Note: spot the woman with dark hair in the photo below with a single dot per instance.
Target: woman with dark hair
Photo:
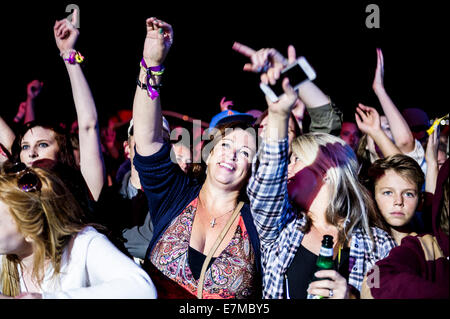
(204, 239)
(44, 140)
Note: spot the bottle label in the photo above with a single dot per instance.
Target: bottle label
(314, 297)
(326, 252)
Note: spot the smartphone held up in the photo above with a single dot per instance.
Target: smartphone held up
(297, 73)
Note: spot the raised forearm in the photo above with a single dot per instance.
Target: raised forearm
(82, 96)
(384, 143)
(431, 177)
(277, 127)
(29, 112)
(312, 95)
(399, 127)
(91, 158)
(7, 135)
(147, 119)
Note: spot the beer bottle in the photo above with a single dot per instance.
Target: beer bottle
(324, 261)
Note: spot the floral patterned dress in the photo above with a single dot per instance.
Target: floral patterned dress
(231, 275)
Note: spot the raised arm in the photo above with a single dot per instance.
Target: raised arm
(147, 116)
(399, 127)
(33, 90)
(368, 121)
(267, 189)
(431, 157)
(6, 135)
(91, 159)
(324, 116)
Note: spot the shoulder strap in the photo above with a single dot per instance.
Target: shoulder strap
(216, 245)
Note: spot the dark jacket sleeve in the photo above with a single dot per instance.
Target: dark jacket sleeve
(161, 179)
(326, 119)
(403, 274)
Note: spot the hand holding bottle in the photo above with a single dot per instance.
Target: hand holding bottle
(333, 286)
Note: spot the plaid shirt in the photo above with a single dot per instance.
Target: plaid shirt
(278, 224)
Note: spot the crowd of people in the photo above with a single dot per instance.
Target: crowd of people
(142, 208)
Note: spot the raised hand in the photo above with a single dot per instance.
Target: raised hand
(158, 41)
(431, 153)
(378, 81)
(269, 62)
(367, 119)
(431, 157)
(34, 88)
(65, 33)
(225, 105)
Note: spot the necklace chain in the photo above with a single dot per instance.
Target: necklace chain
(213, 219)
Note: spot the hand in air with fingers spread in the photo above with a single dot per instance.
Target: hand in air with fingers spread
(367, 119)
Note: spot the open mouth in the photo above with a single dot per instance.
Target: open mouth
(227, 166)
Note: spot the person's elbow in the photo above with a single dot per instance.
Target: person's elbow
(88, 125)
(406, 143)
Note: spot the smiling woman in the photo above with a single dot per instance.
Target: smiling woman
(204, 240)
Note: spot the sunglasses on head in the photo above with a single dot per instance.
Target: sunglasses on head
(27, 180)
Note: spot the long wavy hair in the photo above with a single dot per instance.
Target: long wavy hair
(351, 205)
(49, 217)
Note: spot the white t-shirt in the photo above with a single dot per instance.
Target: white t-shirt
(418, 154)
(96, 269)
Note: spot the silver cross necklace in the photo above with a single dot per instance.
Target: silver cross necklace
(212, 223)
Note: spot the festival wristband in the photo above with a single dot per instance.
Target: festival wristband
(151, 71)
(74, 57)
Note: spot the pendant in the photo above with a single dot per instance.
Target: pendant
(213, 222)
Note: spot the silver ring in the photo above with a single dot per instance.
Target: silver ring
(331, 293)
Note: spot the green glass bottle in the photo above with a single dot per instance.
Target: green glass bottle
(324, 261)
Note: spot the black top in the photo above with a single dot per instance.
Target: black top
(196, 260)
(301, 271)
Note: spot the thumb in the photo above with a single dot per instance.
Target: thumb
(74, 17)
(287, 88)
(292, 55)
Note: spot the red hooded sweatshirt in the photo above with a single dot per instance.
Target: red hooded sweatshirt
(419, 267)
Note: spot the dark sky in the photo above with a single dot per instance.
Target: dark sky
(201, 67)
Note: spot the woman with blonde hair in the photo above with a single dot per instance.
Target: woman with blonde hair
(48, 251)
(295, 205)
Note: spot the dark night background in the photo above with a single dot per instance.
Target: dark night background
(201, 68)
